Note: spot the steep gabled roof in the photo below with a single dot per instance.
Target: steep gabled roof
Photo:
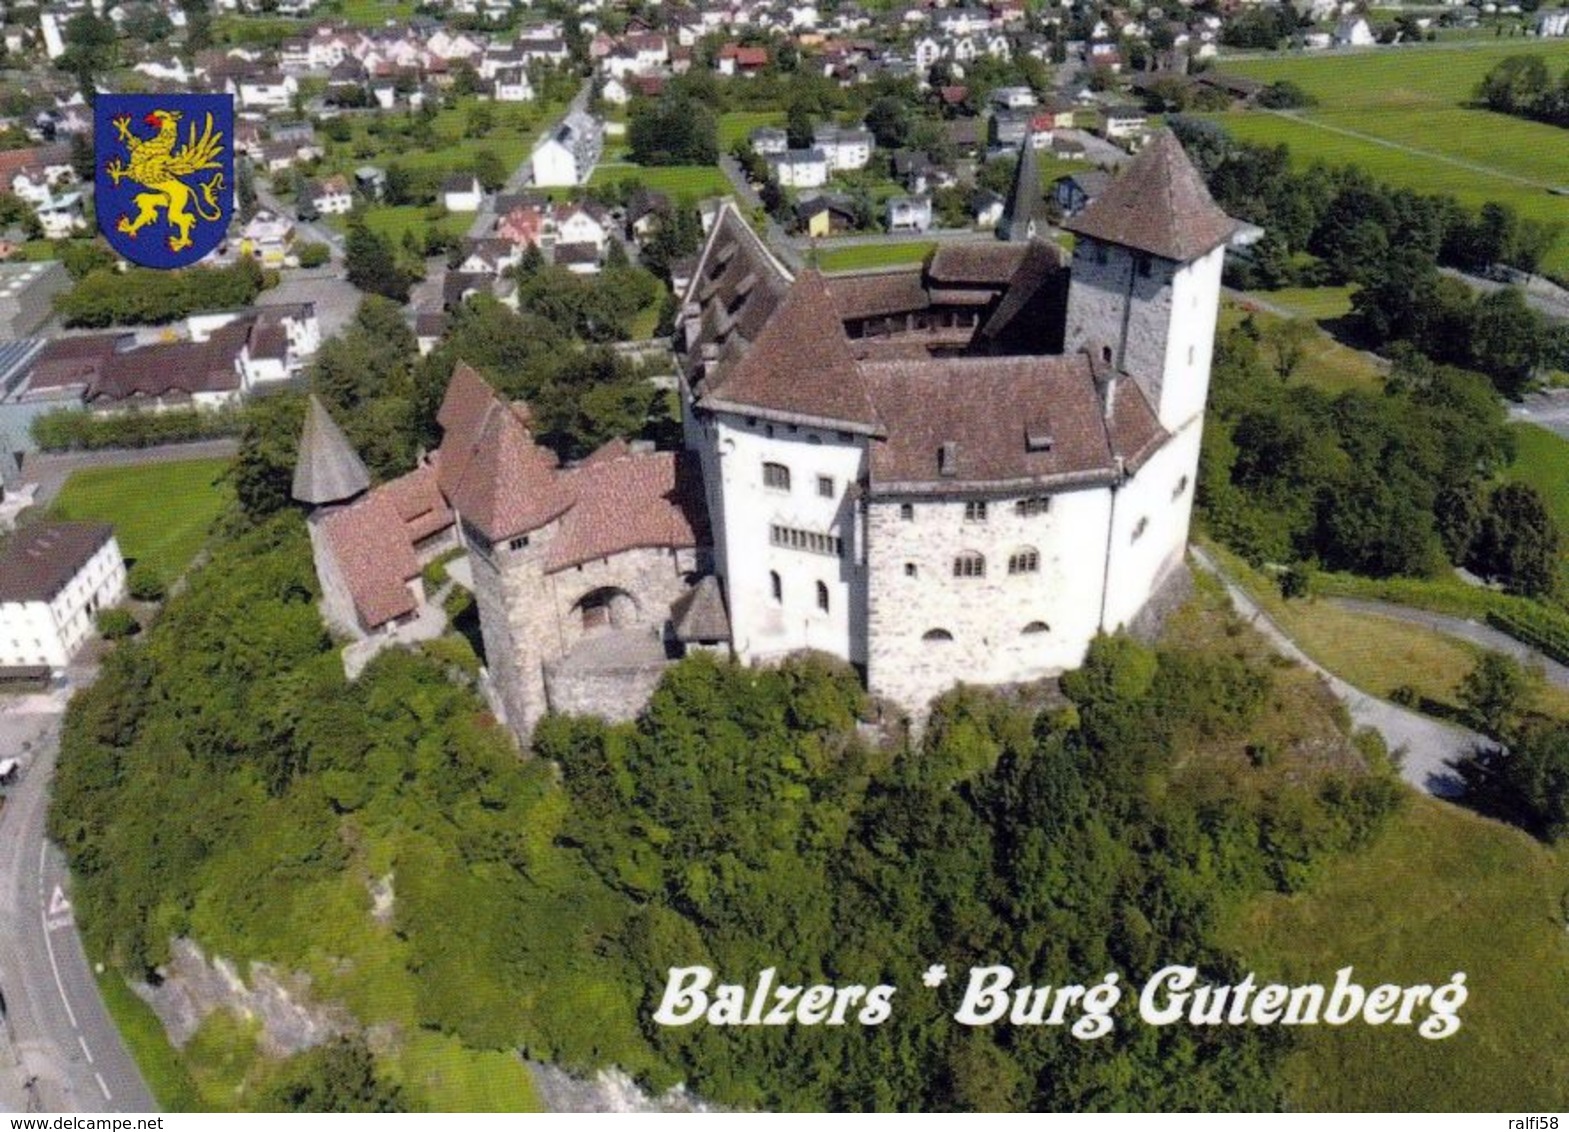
(508, 485)
(328, 469)
(801, 364)
(1159, 205)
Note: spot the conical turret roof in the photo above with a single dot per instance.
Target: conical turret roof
(328, 469)
(1023, 198)
(1159, 204)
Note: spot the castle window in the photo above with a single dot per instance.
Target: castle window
(776, 476)
(907, 512)
(822, 597)
(825, 486)
(1190, 355)
(1139, 528)
(969, 566)
(793, 538)
(934, 636)
(776, 586)
(909, 570)
(1182, 485)
(975, 511)
(1146, 266)
(1034, 505)
(1035, 627)
(518, 543)
(813, 438)
(1027, 561)
(1105, 354)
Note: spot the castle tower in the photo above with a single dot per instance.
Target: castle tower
(1145, 290)
(328, 475)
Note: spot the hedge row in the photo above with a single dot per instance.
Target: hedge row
(1542, 629)
(73, 430)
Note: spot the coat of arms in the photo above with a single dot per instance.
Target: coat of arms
(165, 183)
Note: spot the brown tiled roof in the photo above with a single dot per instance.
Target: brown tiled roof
(417, 499)
(887, 292)
(800, 364)
(509, 484)
(41, 559)
(992, 264)
(1159, 204)
(1043, 266)
(985, 408)
(368, 541)
(735, 289)
(1136, 433)
(627, 501)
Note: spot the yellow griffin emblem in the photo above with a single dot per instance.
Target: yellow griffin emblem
(155, 164)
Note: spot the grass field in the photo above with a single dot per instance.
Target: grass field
(161, 512)
(1326, 363)
(861, 256)
(1441, 891)
(1317, 303)
(1542, 460)
(392, 221)
(375, 13)
(676, 181)
(737, 124)
(1417, 99)
(1376, 654)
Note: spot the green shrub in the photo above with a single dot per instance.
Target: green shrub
(117, 624)
(73, 430)
(145, 583)
(313, 254)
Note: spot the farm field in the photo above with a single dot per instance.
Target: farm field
(161, 512)
(1417, 100)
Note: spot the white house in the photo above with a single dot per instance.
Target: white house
(909, 214)
(54, 578)
(800, 168)
(512, 85)
(844, 149)
(333, 197)
(1353, 31)
(570, 153)
(461, 192)
(582, 224)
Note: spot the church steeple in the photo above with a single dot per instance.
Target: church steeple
(328, 469)
(1018, 216)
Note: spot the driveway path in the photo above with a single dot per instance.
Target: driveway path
(1428, 745)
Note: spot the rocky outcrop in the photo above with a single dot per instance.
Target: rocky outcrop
(609, 1090)
(190, 987)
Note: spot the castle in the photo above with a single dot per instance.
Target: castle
(961, 471)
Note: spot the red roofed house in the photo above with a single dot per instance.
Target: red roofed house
(735, 59)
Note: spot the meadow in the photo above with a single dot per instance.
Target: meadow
(1406, 117)
(675, 181)
(161, 512)
(864, 256)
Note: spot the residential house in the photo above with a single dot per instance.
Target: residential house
(800, 168)
(54, 580)
(766, 140)
(1073, 192)
(267, 238)
(909, 214)
(331, 197)
(844, 149)
(461, 192)
(734, 59)
(570, 153)
(1353, 31)
(1124, 122)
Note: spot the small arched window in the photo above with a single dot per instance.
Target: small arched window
(969, 565)
(1024, 561)
(822, 597)
(776, 476)
(1035, 627)
(776, 585)
(934, 636)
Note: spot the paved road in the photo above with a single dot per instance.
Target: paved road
(68, 1056)
(310, 230)
(1428, 745)
(1550, 409)
(50, 470)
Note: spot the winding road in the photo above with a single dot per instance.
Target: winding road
(59, 1049)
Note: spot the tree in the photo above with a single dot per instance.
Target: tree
(90, 51)
(1519, 543)
(799, 125)
(1287, 342)
(372, 265)
(339, 1076)
(889, 121)
(1508, 340)
(263, 469)
(490, 169)
(1495, 693)
(673, 131)
(1527, 783)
